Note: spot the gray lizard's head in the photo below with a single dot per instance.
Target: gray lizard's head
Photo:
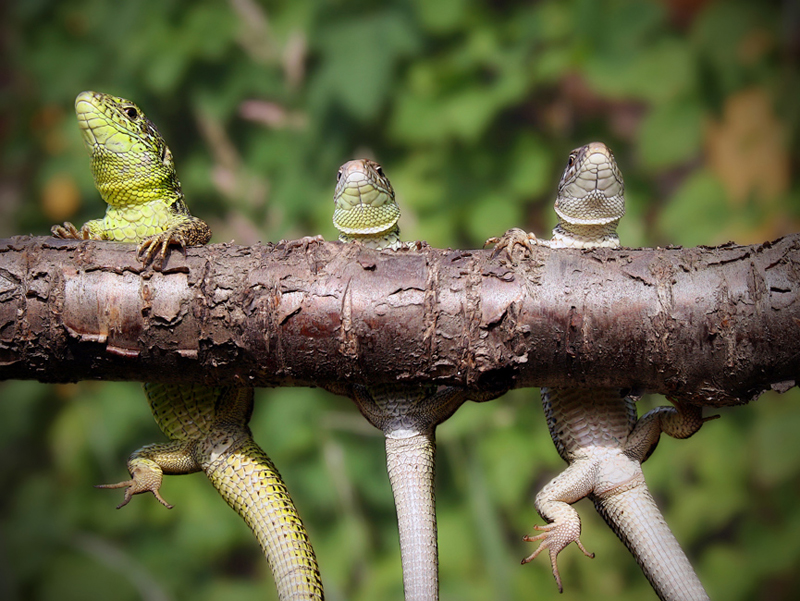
(591, 190)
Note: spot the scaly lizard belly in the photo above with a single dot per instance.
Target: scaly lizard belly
(134, 223)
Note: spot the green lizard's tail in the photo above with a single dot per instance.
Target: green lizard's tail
(250, 483)
(214, 421)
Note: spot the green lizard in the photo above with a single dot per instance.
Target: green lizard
(366, 212)
(597, 431)
(135, 174)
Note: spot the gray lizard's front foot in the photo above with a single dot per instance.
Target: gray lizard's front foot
(513, 240)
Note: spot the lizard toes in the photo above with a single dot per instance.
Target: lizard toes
(507, 243)
(555, 537)
(143, 480)
(155, 248)
(147, 249)
(67, 232)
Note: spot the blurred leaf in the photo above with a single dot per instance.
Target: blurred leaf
(492, 215)
(531, 167)
(659, 71)
(747, 148)
(670, 134)
(360, 60)
(777, 449)
(697, 212)
(70, 578)
(443, 16)
(241, 590)
(717, 35)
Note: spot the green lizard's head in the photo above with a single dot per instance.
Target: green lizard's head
(364, 200)
(131, 164)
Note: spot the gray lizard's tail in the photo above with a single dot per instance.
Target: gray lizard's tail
(637, 521)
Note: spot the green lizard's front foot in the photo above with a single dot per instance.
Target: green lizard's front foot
(509, 241)
(155, 248)
(145, 477)
(69, 232)
(555, 537)
(190, 232)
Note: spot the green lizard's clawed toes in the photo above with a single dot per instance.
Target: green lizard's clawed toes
(146, 476)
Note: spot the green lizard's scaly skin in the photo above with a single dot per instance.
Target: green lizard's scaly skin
(366, 213)
(209, 432)
(596, 431)
(134, 172)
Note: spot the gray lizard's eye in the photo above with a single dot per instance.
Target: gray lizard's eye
(339, 175)
(571, 160)
(379, 170)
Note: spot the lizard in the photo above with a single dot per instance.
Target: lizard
(366, 212)
(134, 172)
(596, 431)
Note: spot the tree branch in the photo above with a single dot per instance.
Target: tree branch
(715, 326)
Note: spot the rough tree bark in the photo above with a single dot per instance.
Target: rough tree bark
(715, 326)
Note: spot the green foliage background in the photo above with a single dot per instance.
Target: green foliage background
(471, 107)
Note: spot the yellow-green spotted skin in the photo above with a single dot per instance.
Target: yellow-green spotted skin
(207, 426)
(134, 172)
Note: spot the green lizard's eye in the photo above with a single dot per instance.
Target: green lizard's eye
(131, 112)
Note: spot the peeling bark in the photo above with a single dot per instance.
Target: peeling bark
(715, 326)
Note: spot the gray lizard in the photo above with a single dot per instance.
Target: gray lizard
(596, 431)
(366, 213)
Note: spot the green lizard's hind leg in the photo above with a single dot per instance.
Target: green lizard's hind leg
(148, 465)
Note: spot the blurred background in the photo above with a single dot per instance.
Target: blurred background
(472, 108)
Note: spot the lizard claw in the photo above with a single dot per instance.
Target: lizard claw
(555, 537)
(509, 241)
(69, 232)
(414, 245)
(155, 248)
(144, 479)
